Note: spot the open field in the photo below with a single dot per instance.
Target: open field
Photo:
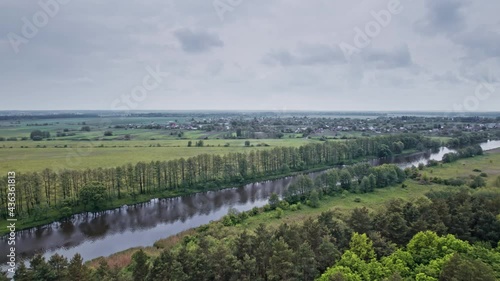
(488, 163)
(58, 155)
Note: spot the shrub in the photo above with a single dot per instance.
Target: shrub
(243, 216)
(477, 182)
(279, 213)
(267, 208)
(284, 205)
(484, 175)
(432, 163)
(357, 200)
(254, 211)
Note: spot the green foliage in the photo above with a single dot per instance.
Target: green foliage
(362, 246)
(477, 182)
(274, 200)
(345, 179)
(93, 195)
(461, 267)
(38, 135)
(279, 213)
(314, 199)
(140, 267)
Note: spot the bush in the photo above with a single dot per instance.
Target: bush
(65, 212)
(279, 213)
(267, 208)
(254, 211)
(108, 133)
(243, 216)
(293, 208)
(477, 182)
(432, 163)
(274, 200)
(484, 175)
(357, 200)
(284, 205)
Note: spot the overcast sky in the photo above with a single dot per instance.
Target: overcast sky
(250, 54)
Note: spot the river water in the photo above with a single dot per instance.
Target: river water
(105, 233)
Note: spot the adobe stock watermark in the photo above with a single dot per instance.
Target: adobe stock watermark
(125, 102)
(221, 7)
(139, 93)
(30, 28)
(363, 37)
(482, 92)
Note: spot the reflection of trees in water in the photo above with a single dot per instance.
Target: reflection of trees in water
(143, 216)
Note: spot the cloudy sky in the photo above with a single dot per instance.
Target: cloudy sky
(250, 54)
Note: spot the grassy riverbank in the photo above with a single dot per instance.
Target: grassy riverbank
(339, 204)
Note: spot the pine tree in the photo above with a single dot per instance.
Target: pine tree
(141, 267)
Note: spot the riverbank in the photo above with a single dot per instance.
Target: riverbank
(54, 215)
(341, 205)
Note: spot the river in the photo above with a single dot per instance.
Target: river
(105, 233)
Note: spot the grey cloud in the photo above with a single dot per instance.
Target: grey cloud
(322, 54)
(483, 42)
(443, 16)
(306, 54)
(197, 41)
(395, 58)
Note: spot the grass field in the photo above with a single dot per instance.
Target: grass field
(372, 201)
(22, 156)
(488, 163)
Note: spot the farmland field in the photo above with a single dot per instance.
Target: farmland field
(87, 154)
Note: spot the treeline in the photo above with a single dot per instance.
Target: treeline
(448, 235)
(358, 179)
(466, 152)
(467, 139)
(37, 192)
